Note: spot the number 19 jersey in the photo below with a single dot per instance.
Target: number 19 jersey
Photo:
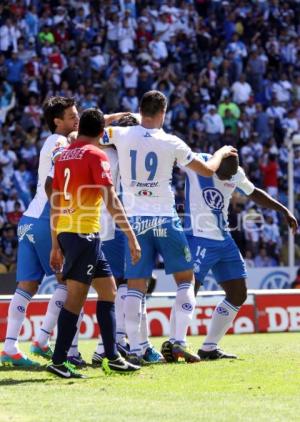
(146, 161)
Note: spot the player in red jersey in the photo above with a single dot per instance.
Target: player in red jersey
(81, 181)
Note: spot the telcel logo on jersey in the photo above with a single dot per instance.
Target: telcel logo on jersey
(213, 198)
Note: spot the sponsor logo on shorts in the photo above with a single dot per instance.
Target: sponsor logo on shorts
(59, 304)
(187, 254)
(187, 307)
(21, 309)
(160, 232)
(213, 198)
(22, 230)
(143, 226)
(222, 311)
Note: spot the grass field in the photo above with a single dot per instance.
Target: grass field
(263, 385)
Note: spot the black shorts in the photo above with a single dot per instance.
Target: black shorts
(84, 259)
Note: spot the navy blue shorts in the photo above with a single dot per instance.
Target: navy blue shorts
(84, 259)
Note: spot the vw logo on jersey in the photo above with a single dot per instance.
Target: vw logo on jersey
(213, 198)
(276, 280)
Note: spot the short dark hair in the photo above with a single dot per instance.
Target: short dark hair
(152, 103)
(128, 120)
(228, 167)
(91, 123)
(54, 108)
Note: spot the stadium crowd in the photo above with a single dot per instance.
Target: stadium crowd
(230, 69)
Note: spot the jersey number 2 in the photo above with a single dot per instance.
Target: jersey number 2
(67, 174)
(150, 164)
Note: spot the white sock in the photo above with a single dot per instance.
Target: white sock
(133, 313)
(100, 347)
(16, 315)
(173, 323)
(73, 351)
(120, 314)
(221, 321)
(54, 307)
(144, 337)
(184, 309)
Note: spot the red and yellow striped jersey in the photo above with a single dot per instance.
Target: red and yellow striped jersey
(79, 172)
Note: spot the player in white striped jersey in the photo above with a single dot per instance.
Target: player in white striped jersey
(212, 247)
(146, 158)
(35, 242)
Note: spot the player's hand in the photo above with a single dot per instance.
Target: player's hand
(292, 222)
(135, 250)
(56, 260)
(227, 150)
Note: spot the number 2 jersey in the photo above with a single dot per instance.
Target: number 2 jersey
(146, 161)
(207, 201)
(79, 172)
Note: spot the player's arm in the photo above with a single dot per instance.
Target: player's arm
(56, 256)
(264, 200)
(116, 210)
(208, 168)
(48, 186)
(110, 118)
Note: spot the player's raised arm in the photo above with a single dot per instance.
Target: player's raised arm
(116, 210)
(208, 168)
(111, 118)
(263, 199)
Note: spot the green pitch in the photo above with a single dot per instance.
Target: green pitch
(263, 385)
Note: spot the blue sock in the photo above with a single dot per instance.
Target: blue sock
(66, 330)
(107, 322)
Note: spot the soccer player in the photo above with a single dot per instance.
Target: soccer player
(206, 224)
(82, 179)
(113, 247)
(146, 158)
(35, 243)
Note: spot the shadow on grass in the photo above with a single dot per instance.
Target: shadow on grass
(41, 368)
(10, 381)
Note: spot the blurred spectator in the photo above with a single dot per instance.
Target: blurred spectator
(263, 260)
(213, 126)
(270, 175)
(296, 283)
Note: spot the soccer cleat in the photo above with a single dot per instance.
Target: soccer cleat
(215, 354)
(118, 365)
(123, 350)
(64, 370)
(18, 360)
(77, 361)
(166, 351)
(136, 360)
(37, 350)
(182, 351)
(152, 356)
(97, 358)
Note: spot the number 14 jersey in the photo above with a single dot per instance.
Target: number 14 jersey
(146, 160)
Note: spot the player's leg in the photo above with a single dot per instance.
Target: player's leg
(105, 286)
(29, 275)
(172, 244)
(43, 243)
(80, 259)
(114, 251)
(230, 273)
(74, 356)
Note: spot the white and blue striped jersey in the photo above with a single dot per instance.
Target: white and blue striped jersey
(146, 161)
(39, 207)
(207, 201)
